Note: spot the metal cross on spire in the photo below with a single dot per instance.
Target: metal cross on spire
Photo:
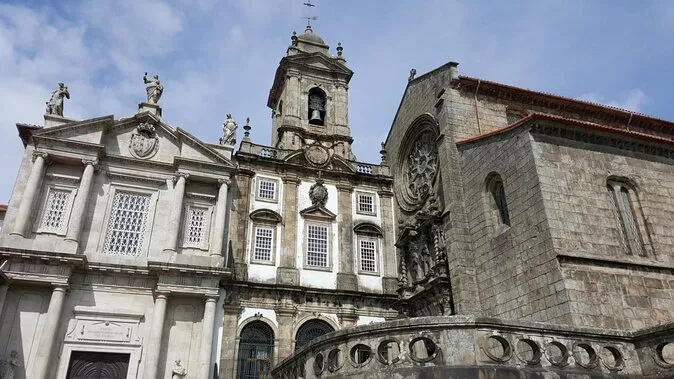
(309, 5)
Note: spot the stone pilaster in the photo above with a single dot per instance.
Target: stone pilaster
(80, 204)
(346, 277)
(285, 317)
(156, 331)
(239, 224)
(228, 348)
(287, 272)
(347, 316)
(43, 359)
(207, 339)
(173, 227)
(29, 193)
(3, 296)
(219, 232)
(388, 251)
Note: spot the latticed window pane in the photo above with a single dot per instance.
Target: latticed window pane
(317, 246)
(368, 256)
(196, 225)
(366, 203)
(616, 214)
(263, 243)
(127, 224)
(630, 222)
(267, 189)
(54, 216)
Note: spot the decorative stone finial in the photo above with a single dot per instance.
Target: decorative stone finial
(382, 152)
(55, 103)
(413, 73)
(228, 131)
(246, 130)
(339, 49)
(294, 38)
(153, 88)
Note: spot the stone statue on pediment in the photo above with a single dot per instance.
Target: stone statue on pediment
(228, 131)
(8, 367)
(55, 103)
(154, 88)
(179, 372)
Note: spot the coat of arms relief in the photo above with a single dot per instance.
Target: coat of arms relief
(144, 142)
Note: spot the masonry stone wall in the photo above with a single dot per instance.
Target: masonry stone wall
(517, 273)
(607, 286)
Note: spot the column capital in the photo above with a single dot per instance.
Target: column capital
(90, 161)
(179, 175)
(345, 187)
(285, 311)
(40, 154)
(210, 298)
(290, 179)
(225, 181)
(385, 193)
(59, 287)
(161, 294)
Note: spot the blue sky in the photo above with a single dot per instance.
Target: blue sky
(219, 57)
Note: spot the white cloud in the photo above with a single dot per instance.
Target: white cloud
(631, 100)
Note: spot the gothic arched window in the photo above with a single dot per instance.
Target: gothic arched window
(497, 200)
(310, 330)
(317, 106)
(623, 198)
(256, 349)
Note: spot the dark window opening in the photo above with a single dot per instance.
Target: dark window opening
(317, 107)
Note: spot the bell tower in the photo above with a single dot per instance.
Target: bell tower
(309, 97)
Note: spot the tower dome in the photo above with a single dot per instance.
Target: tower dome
(309, 36)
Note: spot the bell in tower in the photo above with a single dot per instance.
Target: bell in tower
(316, 106)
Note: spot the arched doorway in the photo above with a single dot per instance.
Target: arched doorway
(256, 349)
(310, 330)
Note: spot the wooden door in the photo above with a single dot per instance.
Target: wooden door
(97, 365)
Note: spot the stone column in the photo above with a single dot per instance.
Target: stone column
(156, 331)
(80, 204)
(287, 271)
(388, 251)
(219, 235)
(285, 317)
(207, 325)
(346, 277)
(42, 367)
(3, 295)
(28, 197)
(176, 212)
(228, 349)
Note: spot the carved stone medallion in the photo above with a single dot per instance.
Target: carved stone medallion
(144, 142)
(318, 194)
(317, 155)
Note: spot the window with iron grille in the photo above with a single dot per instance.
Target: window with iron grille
(263, 244)
(127, 224)
(365, 203)
(197, 222)
(56, 210)
(626, 218)
(368, 255)
(317, 246)
(266, 189)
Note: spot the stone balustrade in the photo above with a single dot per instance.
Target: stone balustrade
(470, 347)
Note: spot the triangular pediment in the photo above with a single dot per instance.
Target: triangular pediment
(320, 61)
(318, 212)
(87, 131)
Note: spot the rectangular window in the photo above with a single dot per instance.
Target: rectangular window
(266, 189)
(197, 220)
(368, 255)
(365, 203)
(56, 210)
(127, 223)
(317, 246)
(264, 241)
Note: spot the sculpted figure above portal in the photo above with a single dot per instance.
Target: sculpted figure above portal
(9, 366)
(228, 131)
(154, 88)
(179, 372)
(55, 103)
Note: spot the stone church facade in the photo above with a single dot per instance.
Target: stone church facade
(504, 233)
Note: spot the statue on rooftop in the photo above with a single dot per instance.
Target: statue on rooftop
(154, 88)
(228, 131)
(55, 103)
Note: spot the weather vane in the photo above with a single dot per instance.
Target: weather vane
(309, 18)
